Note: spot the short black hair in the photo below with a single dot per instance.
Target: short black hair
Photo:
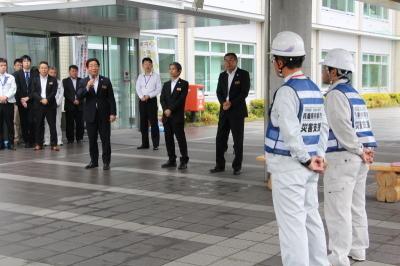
(43, 63)
(148, 59)
(17, 60)
(231, 55)
(291, 62)
(53, 68)
(177, 65)
(3, 60)
(92, 60)
(72, 67)
(26, 57)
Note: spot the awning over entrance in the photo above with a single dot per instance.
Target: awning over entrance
(122, 18)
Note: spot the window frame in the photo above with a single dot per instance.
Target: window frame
(384, 60)
(240, 56)
(346, 11)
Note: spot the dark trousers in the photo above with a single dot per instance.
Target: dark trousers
(49, 114)
(149, 113)
(7, 119)
(74, 125)
(170, 129)
(26, 116)
(103, 127)
(225, 125)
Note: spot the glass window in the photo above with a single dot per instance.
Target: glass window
(247, 49)
(375, 11)
(209, 63)
(164, 61)
(233, 48)
(248, 64)
(202, 46)
(202, 71)
(341, 5)
(166, 43)
(218, 47)
(375, 72)
(216, 67)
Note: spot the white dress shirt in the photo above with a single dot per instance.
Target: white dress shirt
(74, 83)
(96, 82)
(8, 87)
(43, 85)
(231, 76)
(60, 93)
(173, 84)
(284, 115)
(338, 111)
(148, 84)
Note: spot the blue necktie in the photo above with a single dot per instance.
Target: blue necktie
(27, 76)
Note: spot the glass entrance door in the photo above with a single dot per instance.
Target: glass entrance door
(20, 42)
(118, 59)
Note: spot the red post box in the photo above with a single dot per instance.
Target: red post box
(195, 98)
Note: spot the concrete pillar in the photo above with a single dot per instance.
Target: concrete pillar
(189, 53)
(182, 51)
(292, 15)
(395, 60)
(3, 38)
(64, 57)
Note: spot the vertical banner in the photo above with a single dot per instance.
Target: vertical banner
(81, 54)
(148, 48)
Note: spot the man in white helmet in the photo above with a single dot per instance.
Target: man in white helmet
(350, 150)
(295, 145)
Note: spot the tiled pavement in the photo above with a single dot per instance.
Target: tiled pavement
(54, 212)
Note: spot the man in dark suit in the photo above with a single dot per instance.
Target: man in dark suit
(232, 89)
(173, 98)
(99, 112)
(23, 79)
(73, 106)
(17, 123)
(44, 104)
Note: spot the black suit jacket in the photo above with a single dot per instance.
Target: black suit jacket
(70, 93)
(103, 100)
(23, 89)
(51, 91)
(238, 93)
(175, 101)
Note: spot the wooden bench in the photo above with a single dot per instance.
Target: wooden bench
(268, 180)
(388, 179)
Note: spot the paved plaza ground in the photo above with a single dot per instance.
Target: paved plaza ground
(54, 212)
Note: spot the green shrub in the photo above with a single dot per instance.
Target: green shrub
(208, 118)
(376, 100)
(256, 107)
(212, 108)
(395, 96)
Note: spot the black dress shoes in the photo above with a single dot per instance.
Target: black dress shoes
(155, 148)
(182, 166)
(91, 165)
(217, 169)
(237, 171)
(142, 147)
(106, 166)
(169, 164)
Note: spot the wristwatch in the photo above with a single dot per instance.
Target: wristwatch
(306, 163)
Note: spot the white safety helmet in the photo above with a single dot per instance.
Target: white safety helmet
(340, 59)
(288, 44)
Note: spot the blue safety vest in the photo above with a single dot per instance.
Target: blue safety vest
(310, 116)
(359, 120)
